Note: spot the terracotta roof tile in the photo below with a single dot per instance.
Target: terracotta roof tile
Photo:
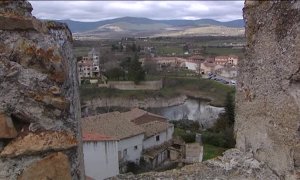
(96, 137)
(155, 127)
(111, 124)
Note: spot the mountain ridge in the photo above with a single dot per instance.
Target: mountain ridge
(79, 26)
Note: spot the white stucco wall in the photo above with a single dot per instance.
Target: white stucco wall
(129, 144)
(163, 137)
(101, 159)
(191, 66)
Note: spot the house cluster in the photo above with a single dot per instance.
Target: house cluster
(88, 66)
(112, 140)
(222, 65)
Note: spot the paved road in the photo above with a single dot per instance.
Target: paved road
(221, 78)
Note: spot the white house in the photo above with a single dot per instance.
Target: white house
(136, 131)
(130, 136)
(233, 60)
(88, 66)
(158, 134)
(192, 65)
(100, 156)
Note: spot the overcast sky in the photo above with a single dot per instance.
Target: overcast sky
(100, 10)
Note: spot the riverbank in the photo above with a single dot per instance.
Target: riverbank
(174, 89)
(153, 102)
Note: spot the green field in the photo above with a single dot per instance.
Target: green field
(211, 151)
(81, 51)
(169, 50)
(224, 51)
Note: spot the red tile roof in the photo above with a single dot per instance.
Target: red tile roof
(112, 124)
(88, 178)
(96, 137)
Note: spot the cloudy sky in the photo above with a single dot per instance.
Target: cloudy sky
(100, 10)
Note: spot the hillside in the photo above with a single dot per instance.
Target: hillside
(135, 26)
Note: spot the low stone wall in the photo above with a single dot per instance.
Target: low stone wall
(130, 103)
(130, 85)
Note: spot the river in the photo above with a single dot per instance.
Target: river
(192, 109)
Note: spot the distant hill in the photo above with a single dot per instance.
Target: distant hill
(77, 26)
(136, 26)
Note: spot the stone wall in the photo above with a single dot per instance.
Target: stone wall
(268, 92)
(39, 102)
(130, 85)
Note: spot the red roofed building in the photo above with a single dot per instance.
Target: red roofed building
(90, 137)
(221, 60)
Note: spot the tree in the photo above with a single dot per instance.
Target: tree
(229, 108)
(133, 47)
(136, 73)
(114, 47)
(139, 48)
(125, 63)
(115, 73)
(150, 66)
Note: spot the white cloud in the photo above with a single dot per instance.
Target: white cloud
(98, 10)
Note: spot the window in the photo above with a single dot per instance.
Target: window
(119, 155)
(135, 147)
(157, 138)
(124, 152)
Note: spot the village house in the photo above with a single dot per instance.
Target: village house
(221, 60)
(233, 60)
(130, 136)
(169, 61)
(209, 67)
(135, 131)
(196, 58)
(100, 151)
(227, 60)
(85, 68)
(191, 65)
(88, 66)
(158, 135)
(157, 129)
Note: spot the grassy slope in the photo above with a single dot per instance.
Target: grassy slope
(211, 151)
(224, 51)
(202, 88)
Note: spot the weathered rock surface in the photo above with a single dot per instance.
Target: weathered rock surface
(7, 128)
(34, 143)
(53, 166)
(38, 91)
(268, 91)
(234, 164)
(92, 105)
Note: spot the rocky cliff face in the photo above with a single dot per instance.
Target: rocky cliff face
(268, 94)
(39, 103)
